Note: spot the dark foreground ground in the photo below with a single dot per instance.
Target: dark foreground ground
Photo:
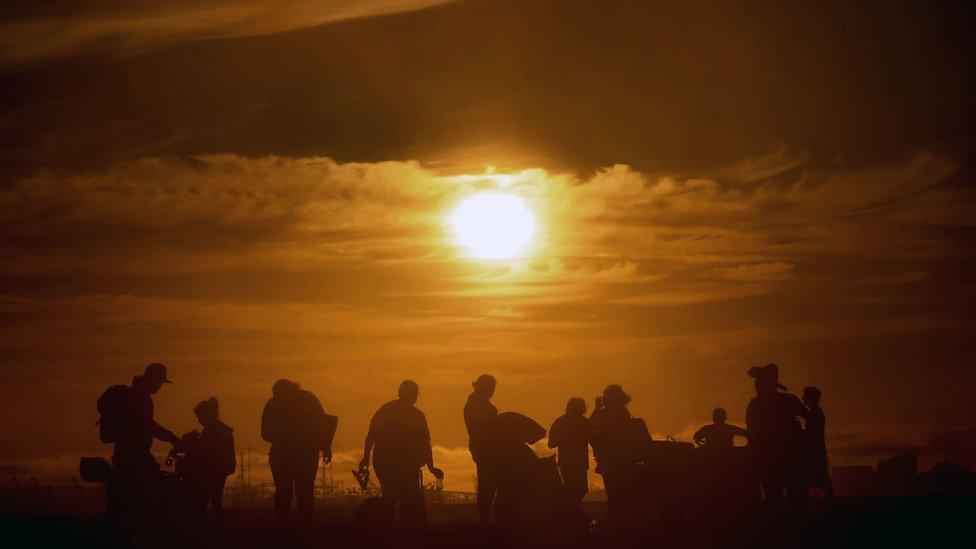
(920, 522)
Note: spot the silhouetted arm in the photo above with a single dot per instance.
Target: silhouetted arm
(428, 451)
(370, 441)
(802, 410)
(425, 434)
(553, 435)
(319, 413)
(738, 431)
(162, 433)
(699, 437)
(229, 453)
(751, 418)
(267, 431)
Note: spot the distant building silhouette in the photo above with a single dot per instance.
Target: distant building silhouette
(898, 474)
(856, 481)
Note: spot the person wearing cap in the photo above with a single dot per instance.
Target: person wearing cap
(134, 429)
(399, 443)
(134, 441)
(774, 434)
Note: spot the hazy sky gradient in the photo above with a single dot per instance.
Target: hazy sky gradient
(718, 186)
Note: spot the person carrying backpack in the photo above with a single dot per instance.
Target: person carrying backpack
(299, 431)
(127, 421)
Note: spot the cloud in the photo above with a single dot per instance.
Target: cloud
(758, 272)
(137, 27)
(620, 234)
(957, 444)
(239, 270)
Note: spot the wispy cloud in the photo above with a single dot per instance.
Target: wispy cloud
(81, 28)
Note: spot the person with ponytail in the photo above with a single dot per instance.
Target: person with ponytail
(217, 457)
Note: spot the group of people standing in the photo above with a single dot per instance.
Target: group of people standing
(788, 457)
(785, 449)
(137, 490)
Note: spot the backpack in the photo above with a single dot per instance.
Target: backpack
(111, 407)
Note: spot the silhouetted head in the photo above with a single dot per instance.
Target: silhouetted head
(409, 391)
(811, 396)
(614, 396)
(485, 385)
(767, 379)
(153, 377)
(283, 388)
(207, 412)
(718, 416)
(576, 407)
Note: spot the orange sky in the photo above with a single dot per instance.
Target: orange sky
(247, 196)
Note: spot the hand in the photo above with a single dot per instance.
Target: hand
(364, 463)
(327, 456)
(438, 474)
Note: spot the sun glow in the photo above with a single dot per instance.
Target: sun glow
(493, 225)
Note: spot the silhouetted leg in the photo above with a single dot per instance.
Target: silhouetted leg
(822, 479)
(217, 501)
(390, 491)
(795, 479)
(283, 473)
(412, 509)
(772, 485)
(306, 469)
(487, 489)
(137, 477)
(575, 486)
(828, 487)
(616, 490)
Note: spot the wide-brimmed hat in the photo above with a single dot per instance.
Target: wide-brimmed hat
(768, 373)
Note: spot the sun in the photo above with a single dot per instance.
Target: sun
(493, 225)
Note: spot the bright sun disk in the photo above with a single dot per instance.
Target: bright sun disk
(493, 225)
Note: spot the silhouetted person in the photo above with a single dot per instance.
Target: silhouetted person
(399, 442)
(570, 435)
(297, 428)
(614, 448)
(772, 422)
(719, 435)
(816, 465)
(127, 420)
(217, 456)
(479, 414)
